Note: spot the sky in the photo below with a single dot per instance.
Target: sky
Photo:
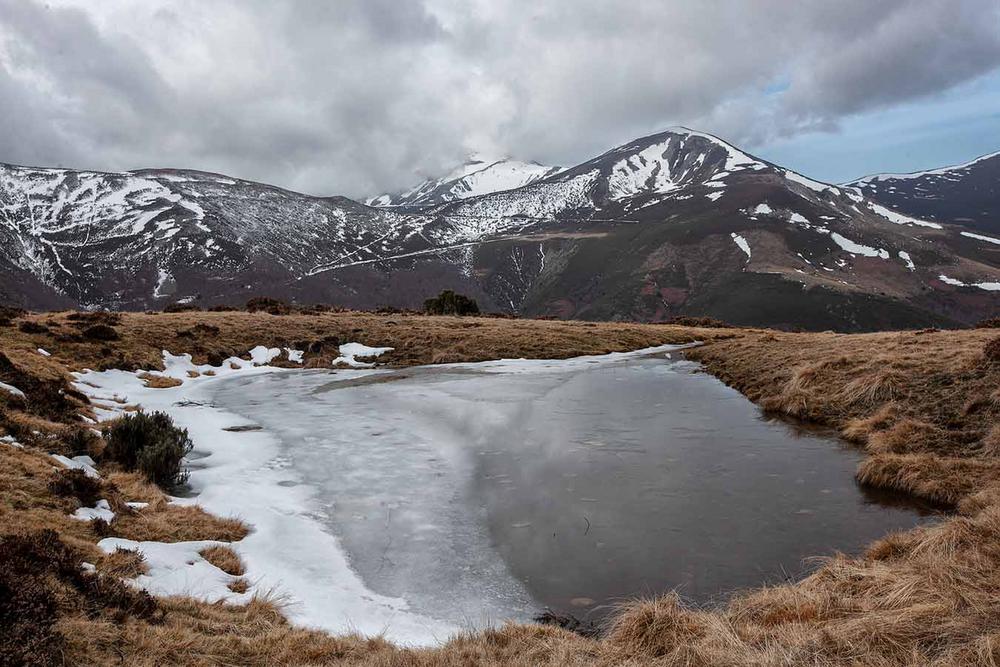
(359, 97)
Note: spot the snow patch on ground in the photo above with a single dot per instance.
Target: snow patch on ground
(178, 568)
(44, 353)
(349, 352)
(102, 510)
(742, 243)
(11, 389)
(762, 209)
(84, 463)
(714, 196)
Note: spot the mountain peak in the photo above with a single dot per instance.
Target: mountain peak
(479, 175)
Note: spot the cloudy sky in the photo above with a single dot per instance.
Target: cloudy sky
(362, 96)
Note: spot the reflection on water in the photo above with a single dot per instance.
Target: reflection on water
(482, 496)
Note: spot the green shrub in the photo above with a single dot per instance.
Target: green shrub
(450, 303)
(151, 444)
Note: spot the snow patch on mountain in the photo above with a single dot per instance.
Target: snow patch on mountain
(742, 243)
(857, 248)
(981, 237)
(474, 178)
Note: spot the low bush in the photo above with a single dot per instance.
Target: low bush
(180, 308)
(30, 327)
(102, 332)
(81, 441)
(151, 444)
(989, 323)
(74, 483)
(83, 319)
(451, 303)
(705, 322)
(268, 305)
(222, 308)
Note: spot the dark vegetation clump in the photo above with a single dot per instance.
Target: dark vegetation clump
(38, 571)
(74, 483)
(81, 441)
(199, 330)
(101, 332)
(222, 308)
(706, 322)
(451, 303)
(181, 308)
(10, 313)
(85, 319)
(30, 327)
(991, 351)
(989, 323)
(151, 444)
(268, 305)
(50, 398)
(568, 622)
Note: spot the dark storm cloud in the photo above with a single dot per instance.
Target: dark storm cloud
(357, 96)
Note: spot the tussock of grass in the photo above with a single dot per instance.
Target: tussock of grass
(123, 564)
(224, 558)
(160, 381)
(162, 522)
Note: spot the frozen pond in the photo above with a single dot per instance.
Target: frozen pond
(490, 491)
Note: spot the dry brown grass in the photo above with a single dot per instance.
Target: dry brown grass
(163, 522)
(223, 558)
(926, 406)
(123, 563)
(160, 381)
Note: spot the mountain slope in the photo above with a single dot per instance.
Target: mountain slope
(475, 177)
(677, 223)
(966, 194)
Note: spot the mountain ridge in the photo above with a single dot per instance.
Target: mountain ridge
(676, 223)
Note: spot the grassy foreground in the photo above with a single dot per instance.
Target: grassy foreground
(924, 405)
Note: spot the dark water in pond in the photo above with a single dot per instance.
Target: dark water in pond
(485, 493)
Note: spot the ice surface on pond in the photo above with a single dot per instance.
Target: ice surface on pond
(482, 492)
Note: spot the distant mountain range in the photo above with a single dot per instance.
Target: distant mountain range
(965, 194)
(677, 223)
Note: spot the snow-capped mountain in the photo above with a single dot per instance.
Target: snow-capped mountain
(965, 194)
(677, 223)
(478, 176)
